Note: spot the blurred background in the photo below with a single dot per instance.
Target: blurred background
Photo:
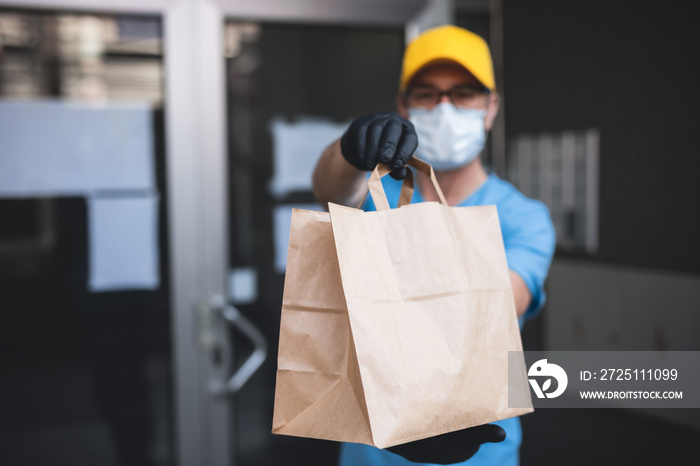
(150, 155)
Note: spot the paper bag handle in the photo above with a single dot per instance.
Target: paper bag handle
(377, 190)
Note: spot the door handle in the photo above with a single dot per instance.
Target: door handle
(233, 317)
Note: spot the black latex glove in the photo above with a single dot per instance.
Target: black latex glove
(453, 447)
(380, 138)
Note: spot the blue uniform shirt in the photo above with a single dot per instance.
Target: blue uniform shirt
(529, 239)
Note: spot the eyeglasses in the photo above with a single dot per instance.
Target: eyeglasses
(463, 96)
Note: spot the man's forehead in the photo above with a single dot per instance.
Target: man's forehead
(435, 73)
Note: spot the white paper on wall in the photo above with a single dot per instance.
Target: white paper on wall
(243, 285)
(56, 148)
(296, 149)
(123, 243)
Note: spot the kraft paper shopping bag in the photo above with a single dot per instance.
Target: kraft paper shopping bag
(396, 324)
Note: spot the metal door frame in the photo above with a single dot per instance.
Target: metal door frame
(195, 128)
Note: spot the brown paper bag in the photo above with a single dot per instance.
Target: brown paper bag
(396, 324)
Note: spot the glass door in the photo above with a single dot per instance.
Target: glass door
(291, 90)
(86, 336)
(113, 267)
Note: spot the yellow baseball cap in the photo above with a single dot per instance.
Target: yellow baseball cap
(449, 43)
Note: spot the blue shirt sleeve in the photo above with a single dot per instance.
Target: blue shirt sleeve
(529, 239)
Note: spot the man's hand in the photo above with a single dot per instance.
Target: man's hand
(453, 447)
(380, 138)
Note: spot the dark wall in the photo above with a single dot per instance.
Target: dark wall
(338, 71)
(632, 70)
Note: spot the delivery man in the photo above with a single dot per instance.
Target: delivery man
(446, 105)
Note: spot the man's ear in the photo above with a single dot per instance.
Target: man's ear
(491, 110)
(401, 108)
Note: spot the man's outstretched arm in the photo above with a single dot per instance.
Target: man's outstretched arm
(377, 138)
(335, 180)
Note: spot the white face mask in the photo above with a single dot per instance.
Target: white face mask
(448, 137)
